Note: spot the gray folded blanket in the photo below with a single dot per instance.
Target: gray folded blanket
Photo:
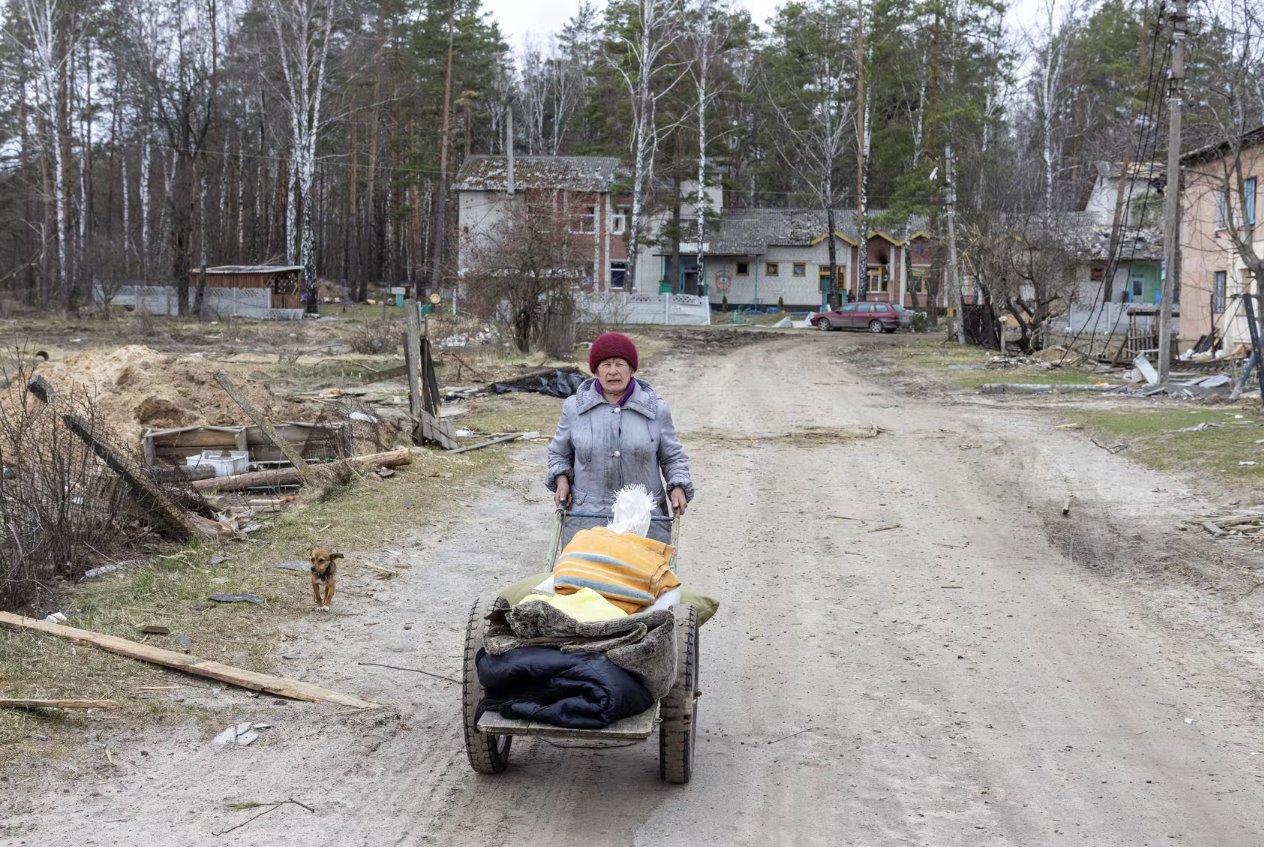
(643, 644)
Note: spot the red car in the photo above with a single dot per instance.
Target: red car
(875, 317)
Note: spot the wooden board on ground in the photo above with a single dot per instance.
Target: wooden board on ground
(636, 728)
(277, 685)
(290, 476)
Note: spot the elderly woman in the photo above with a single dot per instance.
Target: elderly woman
(616, 431)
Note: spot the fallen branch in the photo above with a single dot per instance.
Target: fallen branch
(18, 703)
(410, 670)
(291, 476)
(501, 440)
(272, 807)
(279, 686)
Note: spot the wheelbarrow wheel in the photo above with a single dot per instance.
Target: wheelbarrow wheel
(679, 709)
(487, 753)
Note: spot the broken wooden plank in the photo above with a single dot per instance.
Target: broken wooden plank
(21, 703)
(501, 440)
(290, 476)
(179, 523)
(255, 415)
(280, 686)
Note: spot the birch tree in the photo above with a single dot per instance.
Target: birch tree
(708, 40)
(302, 30)
(40, 32)
(641, 55)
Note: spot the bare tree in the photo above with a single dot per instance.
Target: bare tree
(642, 60)
(173, 54)
(528, 266)
(815, 118)
(42, 35)
(708, 39)
(302, 29)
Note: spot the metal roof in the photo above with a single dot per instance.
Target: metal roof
(569, 173)
(751, 232)
(252, 269)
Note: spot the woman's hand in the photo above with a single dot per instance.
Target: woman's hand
(562, 497)
(678, 500)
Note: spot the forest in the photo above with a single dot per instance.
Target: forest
(143, 139)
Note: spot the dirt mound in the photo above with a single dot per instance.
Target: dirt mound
(136, 388)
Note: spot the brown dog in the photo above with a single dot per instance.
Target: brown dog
(324, 573)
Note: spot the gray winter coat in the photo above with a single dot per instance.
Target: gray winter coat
(601, 448)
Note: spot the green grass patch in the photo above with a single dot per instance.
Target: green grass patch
(1152, 437)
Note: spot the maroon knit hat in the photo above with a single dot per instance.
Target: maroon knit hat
(611, 345)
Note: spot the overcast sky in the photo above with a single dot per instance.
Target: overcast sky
(520, 19)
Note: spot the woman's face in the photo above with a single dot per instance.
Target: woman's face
(613, 374)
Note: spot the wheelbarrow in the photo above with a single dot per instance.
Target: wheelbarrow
(488, 737)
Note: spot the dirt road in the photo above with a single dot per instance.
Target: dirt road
(915, 648)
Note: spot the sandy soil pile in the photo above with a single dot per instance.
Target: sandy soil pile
(136, 388)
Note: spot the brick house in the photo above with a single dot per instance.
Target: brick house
(1221, 189)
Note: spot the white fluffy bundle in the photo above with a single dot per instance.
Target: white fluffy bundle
(632, 508)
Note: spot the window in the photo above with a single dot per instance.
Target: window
(584, 222)
(619, 221)
(1218, 293)
(743, 268)
(878, 280)
(771, 268)
(618, 274)
(848, 308)
(1222, 209)
(800, 268)
(1248, 200)
(917, 281)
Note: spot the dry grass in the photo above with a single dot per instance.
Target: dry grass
(172, 589)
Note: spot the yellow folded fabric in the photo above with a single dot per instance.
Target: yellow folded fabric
(628, 570)
(585, 605)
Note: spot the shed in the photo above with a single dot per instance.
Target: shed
(283, 281)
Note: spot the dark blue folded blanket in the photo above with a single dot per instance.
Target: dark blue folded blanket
(574, 690)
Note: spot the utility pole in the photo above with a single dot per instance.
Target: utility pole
(1171, 197)
(950, 220)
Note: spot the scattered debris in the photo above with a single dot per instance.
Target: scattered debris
(291, 476)
(218, 560)
(252, 680)
(885, 528)
(54, 617)
(1142, 364)
(552, 381)
(1043, 388)
(240, 735)
(19, 703)
(185, 642)
(154, 629)
(1246, 523)
(295, 565)
(101, 571)
(1066, 506)
(363, 417)
(238, 598)
(1067, 427)
(1200, 427)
